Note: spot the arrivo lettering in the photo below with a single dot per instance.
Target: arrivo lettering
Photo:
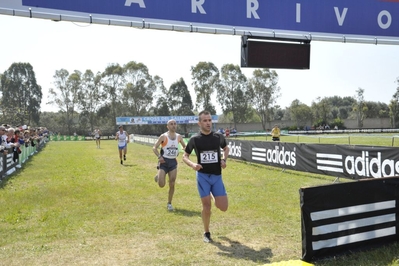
(384, 18)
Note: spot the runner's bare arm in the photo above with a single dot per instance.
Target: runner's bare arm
(183, 144)
(186, 160)
(156, 146)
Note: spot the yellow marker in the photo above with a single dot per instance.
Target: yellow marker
(290, 263)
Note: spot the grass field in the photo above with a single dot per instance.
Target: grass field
(73, 204)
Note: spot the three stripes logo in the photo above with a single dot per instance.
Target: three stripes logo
(329, 162)
(353, 224)
(259, 154)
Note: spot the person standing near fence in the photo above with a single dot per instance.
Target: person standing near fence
(3, 140)
(123, 138)
(209, 165)
(167, 162)
(275, 133)
(12, 142)
(227, 132)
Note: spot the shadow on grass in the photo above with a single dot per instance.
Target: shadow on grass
(187, 213)
(4, 181)
(128, 165)
(235, 249)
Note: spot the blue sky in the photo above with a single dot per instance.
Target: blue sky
(335, 68)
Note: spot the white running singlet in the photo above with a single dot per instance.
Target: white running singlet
(170, 147)
(122, 138)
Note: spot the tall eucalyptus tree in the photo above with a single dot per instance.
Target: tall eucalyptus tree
(65, 95)
(21, 95)
(205, 76)
(264, 91)
(139, 89)
(232, 93)
(113, 82)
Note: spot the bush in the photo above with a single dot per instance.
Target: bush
(339, 123)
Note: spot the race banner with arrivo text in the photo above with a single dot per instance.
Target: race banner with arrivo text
(354, 162)
(343, 17)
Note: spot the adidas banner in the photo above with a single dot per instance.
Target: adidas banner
(344, 217)
(354, 162)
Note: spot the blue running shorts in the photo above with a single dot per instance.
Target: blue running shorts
(207, 183)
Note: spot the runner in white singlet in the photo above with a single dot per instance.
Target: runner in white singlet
(167, 162)
(123, 139)
(97, 136)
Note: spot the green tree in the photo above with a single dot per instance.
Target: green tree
(393, 112)
(113, 82)
(345, 107)
(91, 97)
(75, 85)
(263, 92)
(139, 89)
(360, 107)
(53, 121)
(340, 107)
(104, 114)
(179, 99)
(376, 110)
(205, 76)
(232, 93)
(394, 106)
(66, 94)
(301, 113)
(277, 112)
(161, 106)
(21, 95)
(321, 111)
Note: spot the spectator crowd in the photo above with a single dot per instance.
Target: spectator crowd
(13, 137)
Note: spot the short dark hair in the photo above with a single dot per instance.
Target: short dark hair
(205, 112)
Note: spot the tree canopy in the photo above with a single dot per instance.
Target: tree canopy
(21, 95)
(86, 100)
